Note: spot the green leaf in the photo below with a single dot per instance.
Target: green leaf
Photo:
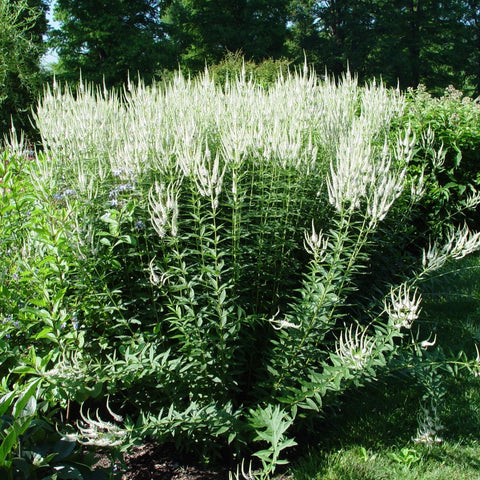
(30, 407)
(64, 448)
(68, 472)
(45, 333)
(309, 404)
(105, 241)
(14, 431)
(458, 156)
(6, 401)
(6, 446)
(94, 391)
(25, 397)
(263, 454)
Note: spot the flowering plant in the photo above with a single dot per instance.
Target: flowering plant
(207, 268)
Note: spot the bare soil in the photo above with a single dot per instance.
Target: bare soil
(152, 461)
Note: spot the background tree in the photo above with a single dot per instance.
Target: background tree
(204, 30)
(419, 41)
(333, 33)
(106, 40)
(404, 41)
(471, 42)
(22, 26)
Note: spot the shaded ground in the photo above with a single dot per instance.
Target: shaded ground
(162, 462)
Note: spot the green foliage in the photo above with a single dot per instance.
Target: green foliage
(270, 425)
(471, 17)
(196, 253)
(109, 42)
(22, 24)
(403, 42)
(332, 34)
(419, 42)
(30, 448)
(452, 461)
(371, 434)
(203, 32)
(39, 331)
(234, 65)
(447, 125)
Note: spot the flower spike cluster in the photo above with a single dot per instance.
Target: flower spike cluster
(404, 308)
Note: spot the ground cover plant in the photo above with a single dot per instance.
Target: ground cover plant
(213, 265)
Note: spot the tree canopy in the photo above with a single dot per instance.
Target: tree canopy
(405, 42)
(204, 30)
(22, 26)
(107, 40)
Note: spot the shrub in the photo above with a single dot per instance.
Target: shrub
(197, 253)
(233, 65)
(447, 155)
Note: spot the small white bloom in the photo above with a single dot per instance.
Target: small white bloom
(208, 176)
(99, 433)
(355, 347)
(432, 259)
(156, 277)
(67, 370)
(163, 203)
(427, 343)
(315, 243)
(282, 323)
(417, 188)
(429, 427)
(460, 242)
(477, 363)
(404, 309)
(473, 200)
(405, 145)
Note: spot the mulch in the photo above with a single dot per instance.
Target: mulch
(152, 461)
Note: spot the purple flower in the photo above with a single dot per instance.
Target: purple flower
(67, 192)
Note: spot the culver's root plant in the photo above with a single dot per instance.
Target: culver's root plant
(205, 251)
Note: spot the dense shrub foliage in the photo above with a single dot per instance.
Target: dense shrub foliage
(449, 126)
(194, 258)
(22, 25)
(233, 65)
